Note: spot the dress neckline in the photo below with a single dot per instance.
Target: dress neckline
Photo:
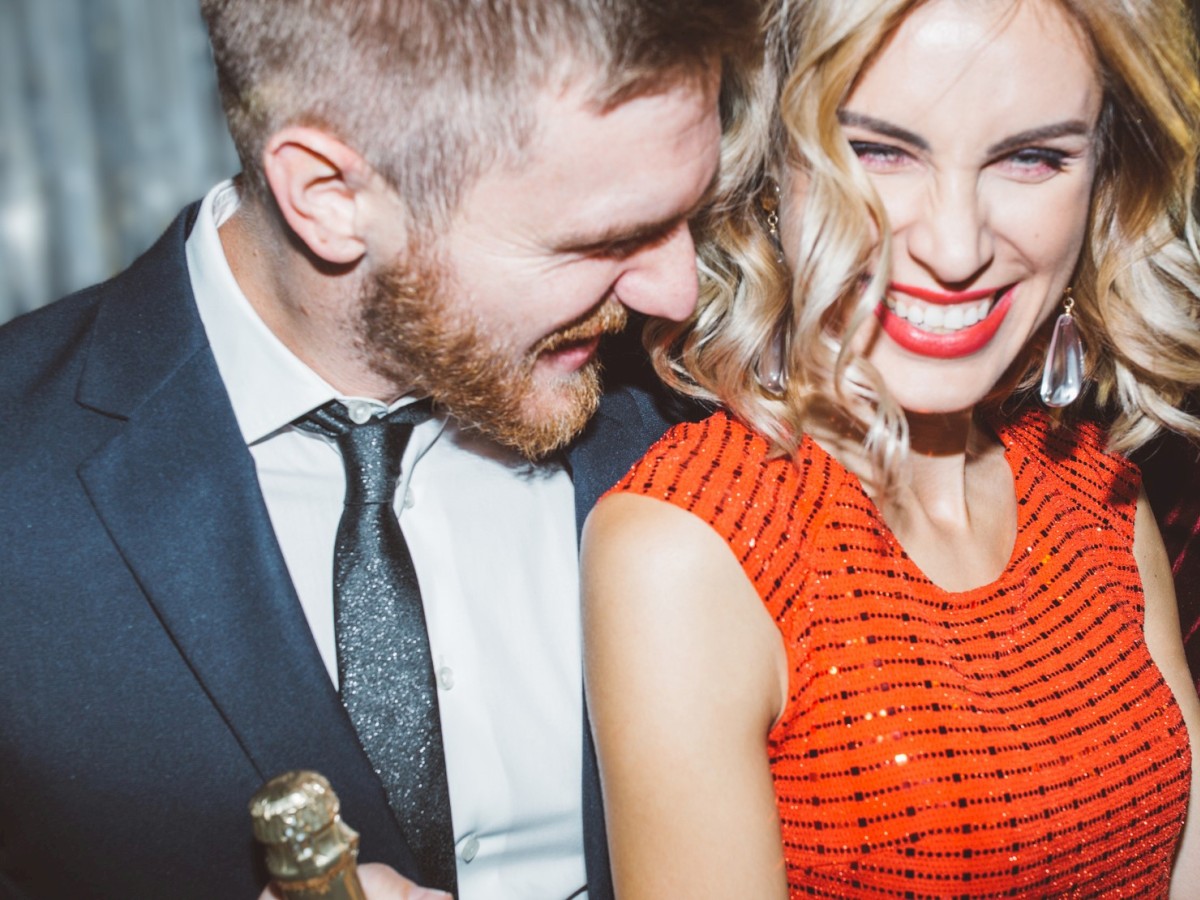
(1020, 549)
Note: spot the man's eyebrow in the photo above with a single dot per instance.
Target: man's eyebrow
(616, 236)
(1068, 128)
(631, 235)
(879, 126)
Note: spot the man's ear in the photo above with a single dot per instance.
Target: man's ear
(318, 183)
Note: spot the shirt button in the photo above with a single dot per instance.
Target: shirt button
(446, 678)
(359, 412)
(409, 500)
(470, 849)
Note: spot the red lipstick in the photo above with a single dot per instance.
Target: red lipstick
(945, 298)
(953, 344)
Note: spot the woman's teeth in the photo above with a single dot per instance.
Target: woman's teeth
(939, 319)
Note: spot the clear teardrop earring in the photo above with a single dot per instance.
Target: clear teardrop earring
(1062, 374)
(771, 368)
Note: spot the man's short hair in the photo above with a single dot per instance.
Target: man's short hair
(433, 92)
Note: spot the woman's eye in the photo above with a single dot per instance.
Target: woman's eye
(878, 156)
(1036, 161)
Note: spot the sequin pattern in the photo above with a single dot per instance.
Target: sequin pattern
(1011, 740)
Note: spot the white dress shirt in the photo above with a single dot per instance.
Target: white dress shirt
(493, 541)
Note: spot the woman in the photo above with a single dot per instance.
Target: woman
(880, 628)
(1171, 473)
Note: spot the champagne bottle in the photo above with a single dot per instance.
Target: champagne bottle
(311, 853)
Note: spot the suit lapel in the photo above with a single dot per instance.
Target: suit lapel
(628, 421)
(177, 491)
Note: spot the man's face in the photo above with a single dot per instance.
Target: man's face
(500, 319)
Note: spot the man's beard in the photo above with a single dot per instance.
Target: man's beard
(413, 335)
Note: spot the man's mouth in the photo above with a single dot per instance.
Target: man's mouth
(584, 334)
(573, 355)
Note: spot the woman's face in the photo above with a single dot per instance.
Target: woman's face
(977, 126)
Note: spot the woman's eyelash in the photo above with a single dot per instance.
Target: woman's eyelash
(871, 148)
(1027, 157)
(1054, 159)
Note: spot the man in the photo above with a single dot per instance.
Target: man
(441, 199)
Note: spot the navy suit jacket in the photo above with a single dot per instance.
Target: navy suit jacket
(155, 664)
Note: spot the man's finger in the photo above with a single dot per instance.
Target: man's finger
(382, 882)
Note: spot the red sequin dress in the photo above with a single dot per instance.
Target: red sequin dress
(1014, 740)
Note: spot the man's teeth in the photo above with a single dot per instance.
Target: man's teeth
(933, 317)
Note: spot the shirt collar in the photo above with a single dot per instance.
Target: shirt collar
(268, 385)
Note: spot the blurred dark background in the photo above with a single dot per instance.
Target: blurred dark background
(109, 123)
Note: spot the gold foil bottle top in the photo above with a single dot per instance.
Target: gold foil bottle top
(296, 816)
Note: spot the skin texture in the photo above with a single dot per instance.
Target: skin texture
(542, 259)
(975, 124)
(497, 315)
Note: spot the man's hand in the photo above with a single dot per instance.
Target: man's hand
(382, 882)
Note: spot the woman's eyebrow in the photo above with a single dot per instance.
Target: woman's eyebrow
(1067, 128)
(858, 120)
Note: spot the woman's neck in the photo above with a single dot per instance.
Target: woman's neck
(953, 508)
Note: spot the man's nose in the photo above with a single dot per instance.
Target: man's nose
(661, 280)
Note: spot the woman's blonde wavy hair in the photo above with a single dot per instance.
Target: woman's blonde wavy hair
(1137, 280)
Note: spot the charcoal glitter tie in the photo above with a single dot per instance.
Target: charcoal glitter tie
(385, 669)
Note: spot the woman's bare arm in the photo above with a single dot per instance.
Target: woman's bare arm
(685, 674)
(1165, 642)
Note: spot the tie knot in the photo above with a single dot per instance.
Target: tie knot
(371, 450)
(334, 420)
